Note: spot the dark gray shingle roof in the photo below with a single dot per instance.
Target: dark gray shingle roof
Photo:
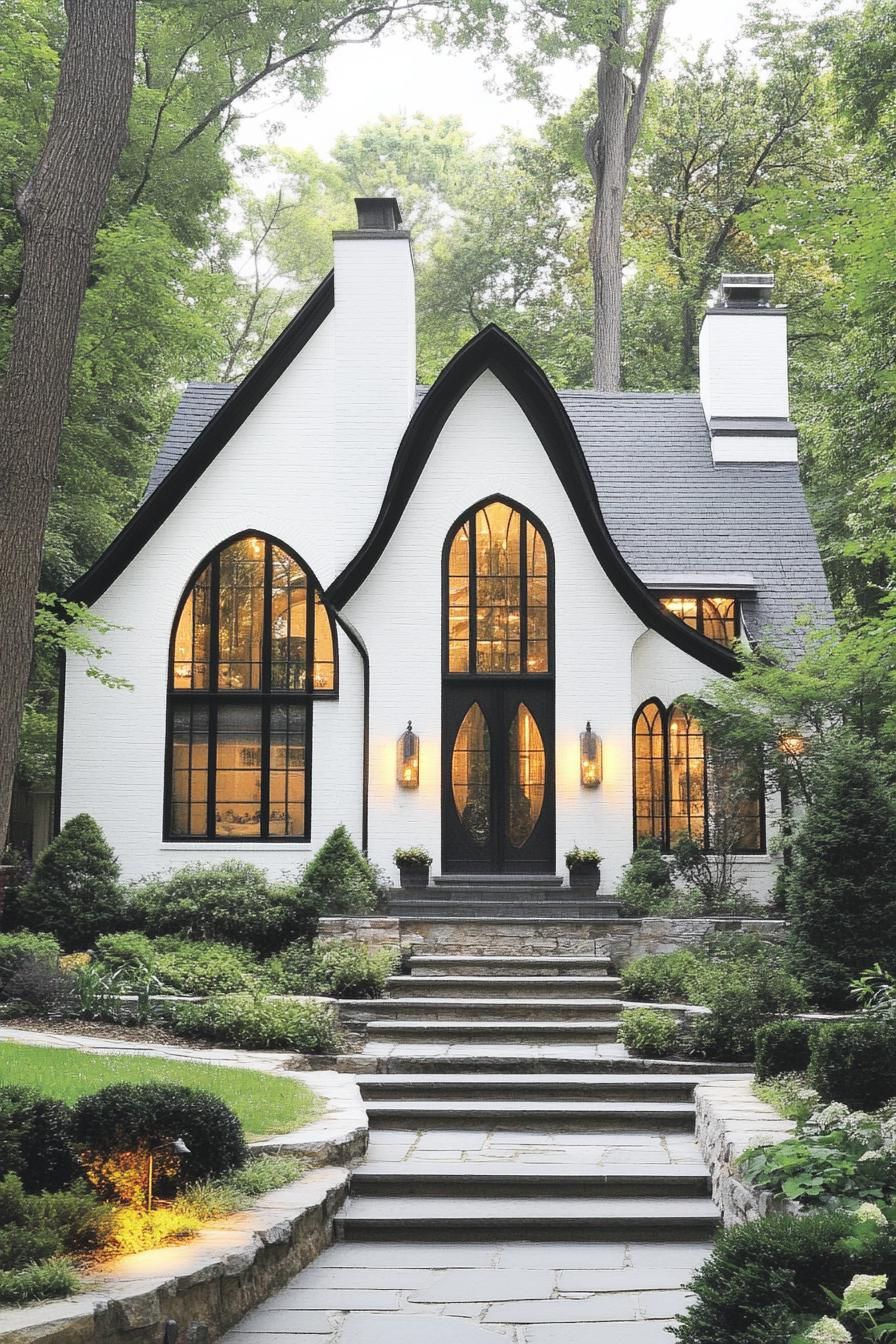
(668, 508)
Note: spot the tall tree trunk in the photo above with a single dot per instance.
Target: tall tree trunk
(60, 209)
(609, 145)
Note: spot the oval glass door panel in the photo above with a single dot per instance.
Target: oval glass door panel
(525, 777)
(471, 775)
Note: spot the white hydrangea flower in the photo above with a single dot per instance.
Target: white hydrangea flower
(829, 1117)
(860, 1286)
(829, 1331)
(870, 1213)
(872, 1155)
(857, 1122)
(888, 1135)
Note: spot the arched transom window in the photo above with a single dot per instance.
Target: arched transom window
(681, 789)
(498, 594)
(253, 646)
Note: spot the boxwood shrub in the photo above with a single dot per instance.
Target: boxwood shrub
(115, 1129)
(35, 1140)
(650, 1033)
(854, 1061)
(255, 1023)
(783, 1047)
(661, 978)
(36, 1227)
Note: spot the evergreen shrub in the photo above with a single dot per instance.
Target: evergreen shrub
(36, 1227)
(74, 890)
(35, 1139)
(339, 880)
(649, 1033)
(666, 977)
(783, 1047)
(19, 948)
(205, 968)
(646, 886)
(342, 970)
(254, 1023)
(115, 1130)
(854, 1062)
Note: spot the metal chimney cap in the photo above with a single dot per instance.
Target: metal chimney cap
(746, 287)
(380, 213)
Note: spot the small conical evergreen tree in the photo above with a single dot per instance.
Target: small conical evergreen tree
(339, 880)
(842, 890)
(74, 890)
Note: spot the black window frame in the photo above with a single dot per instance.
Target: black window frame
(690, 596)
(665, 842)
(266, 697)
(527, 519)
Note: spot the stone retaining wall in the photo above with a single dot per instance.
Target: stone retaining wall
(731, 1119)
(620, 939)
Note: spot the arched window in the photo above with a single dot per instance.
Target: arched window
(650, 773)
(682, 789)
(498, 594)
(253, 646)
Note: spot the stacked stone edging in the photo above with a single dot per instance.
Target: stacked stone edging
(731, 1119)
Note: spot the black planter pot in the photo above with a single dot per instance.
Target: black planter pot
(414, 874)
(585, 875)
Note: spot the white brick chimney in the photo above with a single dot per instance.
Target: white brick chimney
(743, 374)
(375, 360)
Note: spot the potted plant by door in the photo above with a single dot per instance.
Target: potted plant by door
(584, 867)
(413, 866)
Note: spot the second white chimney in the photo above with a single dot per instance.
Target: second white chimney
(743, 374)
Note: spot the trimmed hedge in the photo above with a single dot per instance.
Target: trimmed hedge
(18, 948)
(342, 970)
(260, 1024)
(665, 978)
(783, 1047)
(116, 1128)
(854, 1062)
(35, 1140)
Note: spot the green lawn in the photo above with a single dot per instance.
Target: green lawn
(265, 1104)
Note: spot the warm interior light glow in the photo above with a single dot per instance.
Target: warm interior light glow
(407, 759)
(792, 743)
(591, 758)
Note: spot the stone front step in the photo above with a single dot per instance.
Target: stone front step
(451, 1030)
(435, 1010)
(483, 935)
(469, 908)
(523, 1087)
(503, 986)
(508, 1057)
(465, 1113)
(529, 1219)
(497, 881)
(426, 965)
(501, 1180)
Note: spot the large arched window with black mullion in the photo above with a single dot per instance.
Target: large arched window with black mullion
(498, 600)
(253, 646)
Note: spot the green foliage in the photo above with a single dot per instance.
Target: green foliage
(842, 891)
(414, 856)
(74, 890)
(228, 902)
(577, 855)
(789, 1094)
(647, 886)
(339, 880)
(267, 1171)
(131, 949)
(854, 1062)
(42, 987)
(814, 1171)
(341, 969)
(16, 948)
(783, 1047)
(650, 1033)
(768, 1279)
(667, 977)
(36, 1227)
(35, 1139)
(56, 1277)
(254, 1023)
(205, 968)
(136, 1118)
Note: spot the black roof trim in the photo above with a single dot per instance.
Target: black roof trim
(205, 448)
(492, 349)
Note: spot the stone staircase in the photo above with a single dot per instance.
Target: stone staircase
(499, 898)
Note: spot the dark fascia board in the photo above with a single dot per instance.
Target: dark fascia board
(746, 310)
(492, 349)
(206, 446)
(753, 426)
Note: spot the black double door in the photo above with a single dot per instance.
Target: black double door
(498, 776)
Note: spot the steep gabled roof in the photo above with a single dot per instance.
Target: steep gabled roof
(176, 471)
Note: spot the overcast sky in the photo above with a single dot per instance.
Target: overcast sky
(402, 75)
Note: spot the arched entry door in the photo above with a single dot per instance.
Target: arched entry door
(498, 694)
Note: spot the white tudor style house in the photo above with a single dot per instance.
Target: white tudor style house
(327, 551)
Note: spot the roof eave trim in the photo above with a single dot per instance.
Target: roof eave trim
(492, 349)
(205, 447)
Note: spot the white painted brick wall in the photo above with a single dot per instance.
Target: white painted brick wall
(743, 364)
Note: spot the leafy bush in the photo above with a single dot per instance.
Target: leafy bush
(18, 871)
(855, 1062)
(339, 880)
(667, 977)
(43, 987)
(116, 1128)
(837, 1154)
(126, 949)
(341, 969)
(842, 888)
(35, 1140)
(260, 1024)
(205, 968)
(37, 1283)
(766, 1280)
(649, 1033)
(74, 890)
(16, 948)
(646, 886)
(783, 1047)
(742, 997)
(35, 1227)
(231, 902)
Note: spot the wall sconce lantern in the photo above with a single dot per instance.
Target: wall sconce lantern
(591, 757)
(792, 744)
(407, 759)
